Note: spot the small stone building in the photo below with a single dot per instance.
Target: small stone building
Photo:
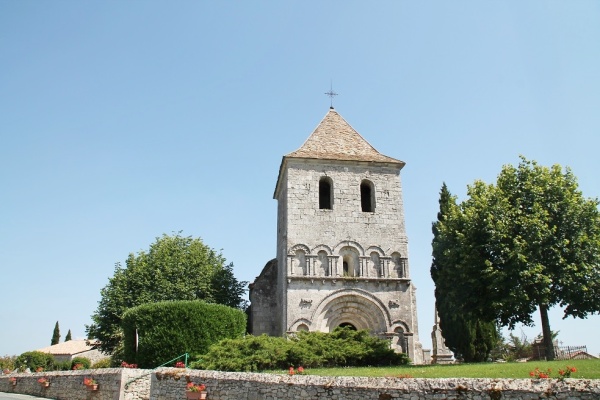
(342, 250)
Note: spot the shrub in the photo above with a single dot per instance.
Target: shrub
(84, 362)
(7, 362)
(62, 366)
(251, 353)
(342, 347)
(171, 328)
(104, 363)
(35, 360)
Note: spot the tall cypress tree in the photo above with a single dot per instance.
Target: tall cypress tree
(469, 337)
(55, 335)
(68, 337)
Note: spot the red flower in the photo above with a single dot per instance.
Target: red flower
(300, 370)
(125, 365)
(89, 382)
(192, 387)
(291, 372)
(537, 374)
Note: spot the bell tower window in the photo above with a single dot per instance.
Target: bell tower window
(367, 196)
(325, 194)
(346, 269)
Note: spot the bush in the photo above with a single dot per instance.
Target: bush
(342, 347)
(62, 366)
(251, 353)
(168, 329)
(104, 363)
(7, 362)
(85, 363)
(34, 360)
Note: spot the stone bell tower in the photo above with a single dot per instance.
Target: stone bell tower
(342, 250)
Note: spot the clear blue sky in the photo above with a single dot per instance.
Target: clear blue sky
(121, 121)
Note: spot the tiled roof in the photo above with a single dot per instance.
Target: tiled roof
(335, 139)
(70, 347)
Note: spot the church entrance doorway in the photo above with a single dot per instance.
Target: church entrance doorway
(347, 325)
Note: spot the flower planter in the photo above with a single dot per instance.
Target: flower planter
(93, 388)
(195, 395)
(45, 384)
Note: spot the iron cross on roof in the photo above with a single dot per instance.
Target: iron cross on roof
(331, 94)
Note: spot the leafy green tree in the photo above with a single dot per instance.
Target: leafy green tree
(55, 335)
(532, 241)
(174, 268)
(68, 337)
(470, 338)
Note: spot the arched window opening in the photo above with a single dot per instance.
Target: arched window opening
(301, 268)
(324, 263)
(325, 194)
(401, 340)
(367, 196)
(347, 325)
(350, 261)
(375, 265)
(399, 266)
(302, 327)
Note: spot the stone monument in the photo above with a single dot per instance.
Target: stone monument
(441, 353)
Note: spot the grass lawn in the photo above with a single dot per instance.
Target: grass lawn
(586, 369)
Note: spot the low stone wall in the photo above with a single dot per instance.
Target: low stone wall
(113, 384)
(169, 384)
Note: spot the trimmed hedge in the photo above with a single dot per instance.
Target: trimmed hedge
(168, 329)
(340, 348)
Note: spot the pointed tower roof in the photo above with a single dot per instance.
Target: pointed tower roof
(335, 139)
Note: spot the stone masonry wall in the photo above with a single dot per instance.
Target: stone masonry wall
(251, 386)
(263, 298)
(169, 384)
(113, 384)
(343, 265)
(311, 226)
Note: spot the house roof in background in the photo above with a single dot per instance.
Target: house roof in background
(70, 347)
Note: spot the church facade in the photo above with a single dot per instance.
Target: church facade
(342, 250)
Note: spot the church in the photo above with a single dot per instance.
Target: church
(342, 250)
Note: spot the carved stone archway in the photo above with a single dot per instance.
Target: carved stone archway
(352, 307)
